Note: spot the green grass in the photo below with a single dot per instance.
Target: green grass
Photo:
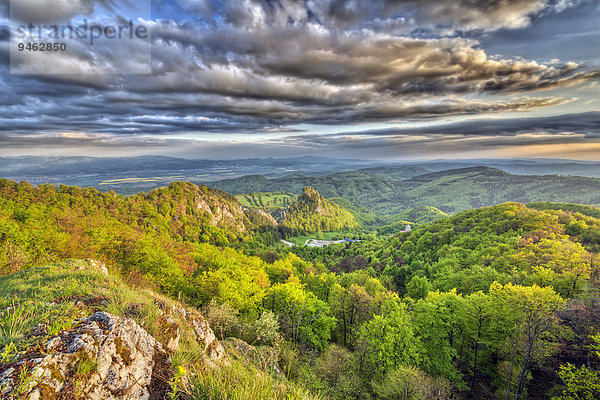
(243, 381)
(41, 302)
(86, 366)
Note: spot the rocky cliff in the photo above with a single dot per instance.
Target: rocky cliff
(214, 207)
(101, 356)
(312, 212)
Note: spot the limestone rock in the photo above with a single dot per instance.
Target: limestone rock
(259, 217)
(103, 358)
(213, 350)
(88, 263)
(171, 330)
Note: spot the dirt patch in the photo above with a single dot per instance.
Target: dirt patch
(161, 375)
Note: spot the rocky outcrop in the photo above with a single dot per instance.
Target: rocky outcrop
(88, 264)
(259, 217)
(311, 196)
(172, 332)
(222, 209)
(103, 358)
(311, 212)
(214, 353)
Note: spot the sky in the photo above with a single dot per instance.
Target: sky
(387, 80)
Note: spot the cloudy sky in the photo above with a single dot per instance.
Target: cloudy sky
(373, 79)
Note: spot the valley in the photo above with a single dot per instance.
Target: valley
(342, 299)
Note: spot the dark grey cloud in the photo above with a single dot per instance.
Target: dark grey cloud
(586, 125)
(54, 106)
(231, 80)
(265, 65)
(570, 136)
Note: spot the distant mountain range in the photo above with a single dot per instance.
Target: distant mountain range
(134, 174)
(542, 166)
(59, 166)
(385, 189)
(392, 190)
(106, 167)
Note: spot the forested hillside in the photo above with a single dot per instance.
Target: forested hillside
(156, 232)
(390, 191)
(312, 213)
(490, 301)
(268, 201)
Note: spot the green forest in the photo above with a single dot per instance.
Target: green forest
(496, 302)
(389, 191)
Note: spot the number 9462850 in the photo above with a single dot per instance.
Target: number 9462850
(42, 46)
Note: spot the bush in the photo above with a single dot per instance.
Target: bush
(222, 318)
(410, 383)
(266, 328)
(336, 367)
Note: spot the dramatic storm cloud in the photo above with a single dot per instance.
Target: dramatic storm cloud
(257, 72)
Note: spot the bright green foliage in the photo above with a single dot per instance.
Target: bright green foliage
(388, 340)
(266, 328)
(43, 224)
(436, 320)
(582, 383)
(351, 307)
(422, 215)
(229, 276)
(590, 211)
(535, 308)
(281, 270)
(338, 371)
(372, 285)
(267, 201)
(418, 287)
(412, 217)
(320, 284)
(158, 235)
(582, 222)
(505, 243)
(410, 383)
(303, 317)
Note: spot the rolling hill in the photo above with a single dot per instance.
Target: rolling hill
(389, 191)
(312, 213)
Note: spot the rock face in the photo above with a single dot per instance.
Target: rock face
(214, 352)
(259, 217)
(314, 199)
(103, 358)
(220, 209)
(311, 212)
